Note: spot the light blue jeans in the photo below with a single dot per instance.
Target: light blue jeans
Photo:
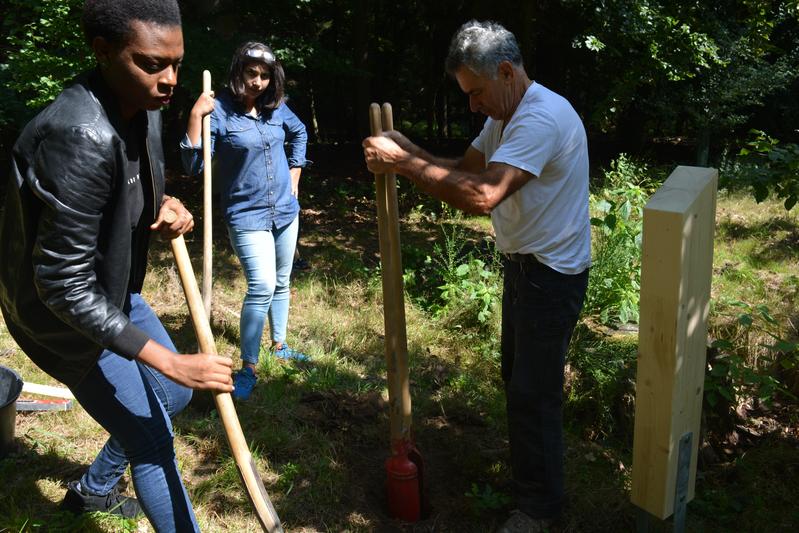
(266, 258)
(134, 403)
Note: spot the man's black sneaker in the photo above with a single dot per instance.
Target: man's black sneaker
(77, 502)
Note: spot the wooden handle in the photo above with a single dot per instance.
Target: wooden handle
(401, 340)
(264, 510)
(207, 213)
(393, 302)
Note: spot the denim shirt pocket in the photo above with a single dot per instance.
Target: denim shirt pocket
(240, 133)
(275, 127)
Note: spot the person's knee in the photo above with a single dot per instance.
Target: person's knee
(156, 448)
(180, 399)
(261, 289)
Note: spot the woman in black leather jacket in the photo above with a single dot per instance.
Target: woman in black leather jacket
(86, 191)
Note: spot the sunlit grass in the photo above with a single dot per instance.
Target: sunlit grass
(318, 430)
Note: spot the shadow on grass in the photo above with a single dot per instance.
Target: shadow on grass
(779, 250)
(23, 506)
(324, 429)
(325, 433)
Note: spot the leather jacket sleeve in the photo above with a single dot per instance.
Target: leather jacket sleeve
(73, 177)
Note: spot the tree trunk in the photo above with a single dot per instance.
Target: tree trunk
(363, 97)
(703, 146)
(314, 121)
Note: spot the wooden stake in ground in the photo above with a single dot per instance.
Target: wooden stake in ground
(404, 467)
(676, 269)
(264, 510)
(207, 213)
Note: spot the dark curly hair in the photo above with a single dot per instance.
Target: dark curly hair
(110, 19)
(255, 52)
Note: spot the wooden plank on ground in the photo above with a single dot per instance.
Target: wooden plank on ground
(676, 268)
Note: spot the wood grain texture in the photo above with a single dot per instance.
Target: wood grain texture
(676, 270)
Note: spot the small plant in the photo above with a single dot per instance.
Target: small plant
(486, 499)
(737, 371)
(617, 221)
(288, 473)
(459, 283)
(470, 294)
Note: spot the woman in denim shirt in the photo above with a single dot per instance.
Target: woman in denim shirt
(250, 124)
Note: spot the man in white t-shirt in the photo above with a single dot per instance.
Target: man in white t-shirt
(528, 168)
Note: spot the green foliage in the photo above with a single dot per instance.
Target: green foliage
(660, 31)
(470, 294)
(486, 499)
(700, 69)
(471, 288)
(46, 48)
(288, 474)
(617, 220)
(601, 384)
(767, 167)
(735, 373)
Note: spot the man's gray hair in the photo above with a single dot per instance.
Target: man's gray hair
(481, 47)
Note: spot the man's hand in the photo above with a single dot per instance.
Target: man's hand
(383, 153)
(170, 227)
(402, 141)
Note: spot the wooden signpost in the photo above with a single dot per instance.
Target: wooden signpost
(676, 269)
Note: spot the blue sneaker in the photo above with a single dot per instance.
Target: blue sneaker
(287, 353)
(243, 383)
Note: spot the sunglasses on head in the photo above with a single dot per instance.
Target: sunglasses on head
(263, 55)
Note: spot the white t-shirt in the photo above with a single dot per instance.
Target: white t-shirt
(548, 216)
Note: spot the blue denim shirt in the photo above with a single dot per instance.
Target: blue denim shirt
(252, 162)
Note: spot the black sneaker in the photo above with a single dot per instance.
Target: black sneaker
(77, 502)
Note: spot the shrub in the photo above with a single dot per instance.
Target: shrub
(617, 220)
(745, 365)
(471, 288)
(767, 166)
(46, 48)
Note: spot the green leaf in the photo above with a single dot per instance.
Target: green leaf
(722, 344)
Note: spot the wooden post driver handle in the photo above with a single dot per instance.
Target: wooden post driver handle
(264, 509)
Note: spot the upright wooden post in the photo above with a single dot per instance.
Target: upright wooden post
(207, 211)
(677, 263)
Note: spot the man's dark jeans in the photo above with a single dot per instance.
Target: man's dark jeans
(540, 307)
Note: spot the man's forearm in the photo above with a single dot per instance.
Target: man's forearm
(462, 190)
(443, 162)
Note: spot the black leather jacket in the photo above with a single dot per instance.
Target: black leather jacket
(66, 234)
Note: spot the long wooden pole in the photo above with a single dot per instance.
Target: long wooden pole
(264, 510)
(400, 350)
(207, 213)
(396, 349)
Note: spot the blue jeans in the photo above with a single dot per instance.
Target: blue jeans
(540, 307)
(266, 258)
(134, 403)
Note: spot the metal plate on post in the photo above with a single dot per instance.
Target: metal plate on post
(681, 488)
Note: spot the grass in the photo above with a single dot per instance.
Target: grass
(319, 430)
